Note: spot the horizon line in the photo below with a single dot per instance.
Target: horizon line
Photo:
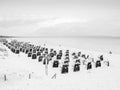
(60, 36)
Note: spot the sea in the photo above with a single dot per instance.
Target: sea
(99, 44)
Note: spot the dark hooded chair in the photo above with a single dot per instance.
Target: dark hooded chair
(79, 54)
(76, 67)
(89, 66)
(23, 50)
(45, 61)
(17, 51)
(101, 57)
(38, 49)
(13, 50)
(38, 53)
(31, 50)
(58, 56)
(34, 56)
(40, 58)
(26, 51)
(98, 64)
(52, 54)
(34, 50)
(64, 69)
(29, 54)
(55, 64)
(20, 49)
(55, 52)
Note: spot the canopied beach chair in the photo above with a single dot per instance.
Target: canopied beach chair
(56, 64)
(29, 54)
(52, 54)
(34, 56)
(17, 51)
(40, 58)
(38, 53)
(45, 61)
(98, 64)
(76, 67)
(101, 57)
(89, 65)
(64, 69)
(59, 56)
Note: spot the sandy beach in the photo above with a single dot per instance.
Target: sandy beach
(17, 69)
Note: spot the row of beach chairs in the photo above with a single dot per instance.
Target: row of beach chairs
(45, 55)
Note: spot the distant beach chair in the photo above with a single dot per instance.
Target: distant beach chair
(45, 61)
(34, 56)
(101, 57)
(55, 53)
(64, 69)
(58, 56)
(98, 64)
(76, 67)
(34, 50)
(40, 58)
(17, 51)
(29, 54)
(110, 52)
(79, 54)
(26, 51)
(38, 53)
(55, 64)
(89, 66)
(52, 54)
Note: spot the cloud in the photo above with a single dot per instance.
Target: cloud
(61, 26)
(17, 26)
(81, 27)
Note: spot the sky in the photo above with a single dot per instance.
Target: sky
(60, 17)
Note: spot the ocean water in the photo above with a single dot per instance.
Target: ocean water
(84, 43)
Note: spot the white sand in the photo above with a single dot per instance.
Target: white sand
(18, 67)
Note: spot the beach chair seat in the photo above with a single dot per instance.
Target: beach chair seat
(67, 54)
(46, 52)
(77, 61)
(66, 62)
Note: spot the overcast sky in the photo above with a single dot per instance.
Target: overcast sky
(60, 17)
